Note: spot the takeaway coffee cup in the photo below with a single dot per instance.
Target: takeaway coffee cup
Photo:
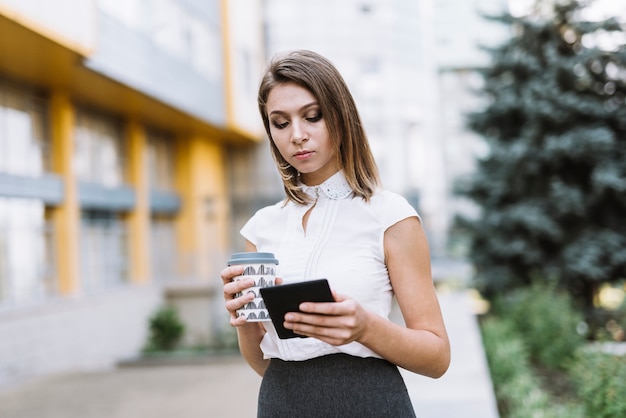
(262, 268)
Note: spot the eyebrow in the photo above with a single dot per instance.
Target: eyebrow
(302, 108)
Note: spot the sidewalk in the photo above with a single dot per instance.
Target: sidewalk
(465, 390)
(221, 387)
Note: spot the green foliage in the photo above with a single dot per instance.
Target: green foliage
(506, 350)
(536, 327)
(600, 380)
(165, 330)
(552, 190)
(547, 321)
(518, 390)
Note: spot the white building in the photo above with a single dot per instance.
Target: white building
(408, 64)
(373, 43)
(459, 30)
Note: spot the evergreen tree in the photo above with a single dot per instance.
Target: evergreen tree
(552, 191)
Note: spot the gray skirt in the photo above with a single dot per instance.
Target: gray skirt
(337, 385)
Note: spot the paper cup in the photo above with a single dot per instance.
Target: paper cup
(262, 268)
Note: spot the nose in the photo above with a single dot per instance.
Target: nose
(298, 134)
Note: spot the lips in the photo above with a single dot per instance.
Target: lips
(302, 155)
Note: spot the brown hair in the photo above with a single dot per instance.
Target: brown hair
(318, 75)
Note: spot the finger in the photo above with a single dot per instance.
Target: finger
(330, 334)
(236, 321)
(236, 286)
(229, 272)
(235, 303)
(315, 320)
(338, 297)
(323, 308)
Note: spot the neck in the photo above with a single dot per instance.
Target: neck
(315, 179)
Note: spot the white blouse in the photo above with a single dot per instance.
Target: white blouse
(343, 243)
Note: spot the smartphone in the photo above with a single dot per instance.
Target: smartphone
(287, 297)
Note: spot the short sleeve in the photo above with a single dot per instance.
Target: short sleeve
(261, 228)
(396, 208)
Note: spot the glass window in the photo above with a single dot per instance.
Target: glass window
(98, 150)
(24, 145)
(163, 253)
(103, 251)
(27, 272)
(160, 161)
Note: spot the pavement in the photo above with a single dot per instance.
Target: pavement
(466, 389)
(224, 386)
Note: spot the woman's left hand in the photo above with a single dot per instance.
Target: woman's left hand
(336, 323)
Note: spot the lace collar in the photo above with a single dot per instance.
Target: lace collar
(335, 188)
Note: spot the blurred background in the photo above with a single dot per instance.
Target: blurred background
(131, 149)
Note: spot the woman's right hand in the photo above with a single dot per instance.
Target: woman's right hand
(231, 288)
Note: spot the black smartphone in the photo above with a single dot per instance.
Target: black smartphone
(287, 297)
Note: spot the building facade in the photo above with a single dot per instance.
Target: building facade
(118, 122)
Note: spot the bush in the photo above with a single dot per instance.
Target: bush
(547, 321)
(518, 390)
(165, 330)
(600, 380)
(506, 352)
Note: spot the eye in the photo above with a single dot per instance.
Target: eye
(315, 118)
(279, 125)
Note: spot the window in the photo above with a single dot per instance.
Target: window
(103, 251)
(27, 272)
(163, 252)
(24, 145)
(160, 161)
(98, 152)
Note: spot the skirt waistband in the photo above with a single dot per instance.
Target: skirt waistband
(336, 385)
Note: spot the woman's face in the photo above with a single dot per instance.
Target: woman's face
(299, 132)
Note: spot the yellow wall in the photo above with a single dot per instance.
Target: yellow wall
(66, 216)
(139, 218)
(202, 223)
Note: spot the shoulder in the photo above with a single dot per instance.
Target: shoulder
(270, 213)
(388, 197)
(262, 225)
(392, 207)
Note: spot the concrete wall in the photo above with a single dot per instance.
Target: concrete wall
(74, 335)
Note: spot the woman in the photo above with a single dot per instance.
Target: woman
(336, 223)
